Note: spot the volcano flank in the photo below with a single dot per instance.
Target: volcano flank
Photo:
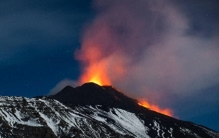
(107, 97)
(93, 94)
(90, 111)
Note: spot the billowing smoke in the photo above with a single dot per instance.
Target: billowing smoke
(145, 49)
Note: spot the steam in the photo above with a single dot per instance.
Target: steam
(62, 84)
(148, 52)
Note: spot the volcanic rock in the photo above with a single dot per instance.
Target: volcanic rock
(90, 111)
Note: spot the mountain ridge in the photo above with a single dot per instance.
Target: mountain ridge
(90, 111)
(93, 94)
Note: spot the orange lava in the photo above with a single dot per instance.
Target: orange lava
(167, 112)
(95, 74)
(101, 66)
(96, 70)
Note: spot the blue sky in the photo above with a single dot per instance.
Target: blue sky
(38, 40)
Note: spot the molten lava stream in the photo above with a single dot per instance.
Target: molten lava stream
(167, 112)
(97, 73)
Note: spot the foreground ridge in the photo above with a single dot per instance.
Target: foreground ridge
(59, 117)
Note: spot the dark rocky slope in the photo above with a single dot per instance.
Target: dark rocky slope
(90, 111)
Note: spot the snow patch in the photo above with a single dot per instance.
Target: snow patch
(188, 131)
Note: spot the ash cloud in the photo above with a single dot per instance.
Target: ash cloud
(161, 59)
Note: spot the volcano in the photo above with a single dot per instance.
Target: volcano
(93, 94)
(90, 111)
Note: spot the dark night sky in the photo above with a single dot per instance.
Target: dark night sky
(38, 39)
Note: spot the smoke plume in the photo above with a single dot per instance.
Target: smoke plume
(145, 49)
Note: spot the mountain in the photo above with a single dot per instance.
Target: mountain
(90, 111)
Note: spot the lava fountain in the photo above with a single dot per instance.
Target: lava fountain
(111, 46)
(97, 71)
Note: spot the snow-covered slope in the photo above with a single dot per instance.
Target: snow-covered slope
(18, 113)
(44, 117)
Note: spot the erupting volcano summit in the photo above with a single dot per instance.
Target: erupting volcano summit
(89, 111)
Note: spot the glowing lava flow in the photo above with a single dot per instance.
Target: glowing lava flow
(98, 76)
(96, 73)
(101, 69)
(167, 112)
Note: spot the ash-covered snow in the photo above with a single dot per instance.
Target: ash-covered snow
(13, 116)
(209, 132)
(160, 130)
(123, 122)
(16, 113)
(187, 131)
(62, 119)
(129, 121)
(171, 132)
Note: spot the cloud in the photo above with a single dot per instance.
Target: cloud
(62, 84)
(151, 44)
